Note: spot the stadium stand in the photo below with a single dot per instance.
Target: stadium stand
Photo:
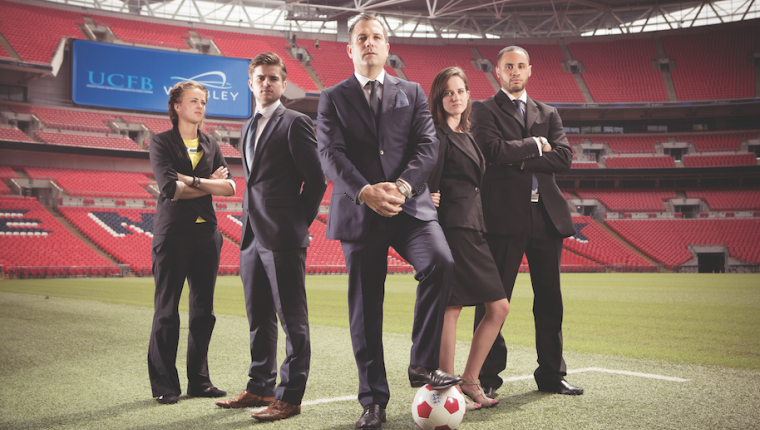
(145, 33)
(720, 160)
(15, 135)
(629, 200)
(127, 234)
(620, 71)
(7, 172)
(78, 120)
(714, 142)
(423, 62)
(639, 162)
(328, 195)
(245, 45)
(330, 62)
(584, 165)
(49, 27)
(728, 199)
(724, 47)
(89, 141)
(548, 81)
(571, 262)
(594, 243)
(95, 183)
(35, 244)
(667, 241)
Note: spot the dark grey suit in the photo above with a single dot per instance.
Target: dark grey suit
(283, 191)
(355, 153)
(516, 226)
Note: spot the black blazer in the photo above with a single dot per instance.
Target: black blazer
(507, 143)
(168, 156)
(286, 185)
(355, 153)
(457, 176)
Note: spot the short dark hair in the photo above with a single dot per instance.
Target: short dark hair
(175, 96)
(510, 49)
(366, 17)
(435, 100)
(268, 59)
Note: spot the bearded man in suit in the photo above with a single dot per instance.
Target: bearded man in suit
(524, 144)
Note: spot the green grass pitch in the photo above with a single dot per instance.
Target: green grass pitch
(653, 351)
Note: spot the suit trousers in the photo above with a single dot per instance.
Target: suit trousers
(424, 246)
(542, 245)
(274, 286)
(192, 255)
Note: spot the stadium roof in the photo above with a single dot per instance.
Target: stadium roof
(464, 19)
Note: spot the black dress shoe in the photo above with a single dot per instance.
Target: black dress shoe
(438, 380)
(372, 418)
(563, 388)
(167, 399)
(489, 391)
(208, 392)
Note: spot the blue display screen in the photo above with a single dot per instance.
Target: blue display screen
(125, 77)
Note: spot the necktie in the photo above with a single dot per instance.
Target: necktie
(521, 109)
(249, 146)
(374, 101)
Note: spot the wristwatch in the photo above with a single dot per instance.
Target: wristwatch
(543, 140)
(404, 188)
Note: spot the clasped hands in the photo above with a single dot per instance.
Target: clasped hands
(383, 198)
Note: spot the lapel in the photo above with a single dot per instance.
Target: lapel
(390, 90)
(354, 94)
(272, 124)
(471, 152)
(507, 106)
(244, 142)
(182, 149)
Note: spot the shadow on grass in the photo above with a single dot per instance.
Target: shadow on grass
(82, 419)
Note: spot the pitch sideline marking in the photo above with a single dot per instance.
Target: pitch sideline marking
(599, 369)
(513, 379)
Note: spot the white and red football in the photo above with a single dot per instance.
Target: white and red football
(438, 409)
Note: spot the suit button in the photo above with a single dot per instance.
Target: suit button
(382, 152)
(477, 190)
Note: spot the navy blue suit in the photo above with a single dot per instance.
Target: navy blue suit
(283, 191)
(355, 153)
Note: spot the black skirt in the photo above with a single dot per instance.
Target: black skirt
(476, 278)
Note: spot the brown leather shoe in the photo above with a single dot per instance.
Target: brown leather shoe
(277, 410)
(245, 400)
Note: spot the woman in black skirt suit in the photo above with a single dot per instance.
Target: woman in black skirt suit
(456, 182)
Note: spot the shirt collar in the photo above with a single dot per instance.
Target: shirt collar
(523, 97)
(269, 110)
(363, 80)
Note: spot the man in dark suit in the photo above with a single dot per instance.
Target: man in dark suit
(284, 187)
(524, 144)
(377, 143)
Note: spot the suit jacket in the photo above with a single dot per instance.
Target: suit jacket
(168, 155)
(506, 142)
(285, 186)
(458, 175)
(355, 153)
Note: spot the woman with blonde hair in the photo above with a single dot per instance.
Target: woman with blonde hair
(455, 181)
(189, 168)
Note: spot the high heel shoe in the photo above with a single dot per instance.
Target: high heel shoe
(487, 403)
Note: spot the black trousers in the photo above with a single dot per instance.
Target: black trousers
(424, 246)
(274, 286)
(193, 255)
(542, 245)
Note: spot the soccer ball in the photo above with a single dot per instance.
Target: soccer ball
(438, 409)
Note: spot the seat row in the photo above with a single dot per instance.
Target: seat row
(614, 71)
